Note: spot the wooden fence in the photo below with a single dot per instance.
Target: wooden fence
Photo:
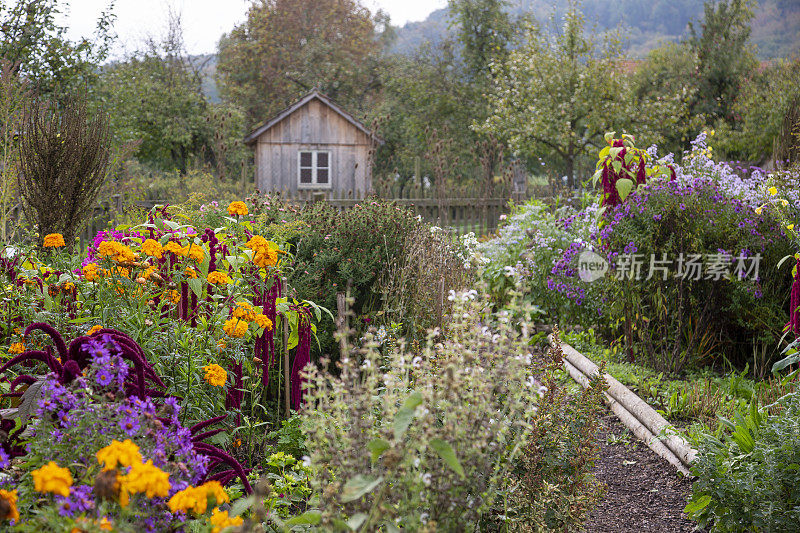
(461, 215)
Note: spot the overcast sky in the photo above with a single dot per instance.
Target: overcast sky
(203, 20)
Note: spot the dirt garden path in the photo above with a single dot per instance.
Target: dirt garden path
(645, 493)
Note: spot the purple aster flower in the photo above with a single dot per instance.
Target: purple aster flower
(130, 425)
(79, 501)
(5, 460)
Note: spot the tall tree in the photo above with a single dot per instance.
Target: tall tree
(37, 46)
(158, 102)
(557, 95)
(287, 47)
(559, 92)
(724, 55)
(484, 30)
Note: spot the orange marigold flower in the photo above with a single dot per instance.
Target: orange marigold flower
(54, 240)
(191, 273)
(263, 322)
(237, 208)
(118, 453)
(115, 251)
(16, 347)
(52, 478)
(153, 248)
(221, 344)
(147, 479)
(94, 329)
(173, 296)
(220, 520)
(196, 498)
(215, 375)
(266, 257)
(217, 277)
(244, 311)
(257, 242)
(8, 508)
(235, 327)
(194, 252)
(90, 271)
(174, 248)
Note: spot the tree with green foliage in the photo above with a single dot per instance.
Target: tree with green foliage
(725, 56)
(158, 103)
(558, 95)
(667, 76)
(484, 30)
(759, 111)
(287, 47)
(37, 46)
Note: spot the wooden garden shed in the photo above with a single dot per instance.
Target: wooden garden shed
(314, 145)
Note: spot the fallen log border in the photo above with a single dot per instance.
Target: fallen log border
(643, 421)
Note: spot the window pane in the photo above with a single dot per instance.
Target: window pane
(305, 159)
(305, 175)
(322, 175)
(322, 159)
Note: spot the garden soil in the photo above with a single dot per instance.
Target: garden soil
(645, 493)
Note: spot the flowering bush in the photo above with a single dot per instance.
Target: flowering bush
(98, 459)
(428, 440)
(533, 252)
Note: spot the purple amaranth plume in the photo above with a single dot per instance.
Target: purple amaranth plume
(794, 303)
(302, 356)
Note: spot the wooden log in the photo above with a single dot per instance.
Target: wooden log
(632, 423)
(648, 416)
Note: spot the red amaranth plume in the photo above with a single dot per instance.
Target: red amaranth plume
(794, 303)
(302, 357)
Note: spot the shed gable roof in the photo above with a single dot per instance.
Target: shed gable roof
(314, 94)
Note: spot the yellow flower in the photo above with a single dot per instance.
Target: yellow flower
(196, 498)
(116, 251)
(237, 208)
(106, 525)
(790, 227)
(758, 210)
(54, 240)
(215, 375)
(264, 322)
(195, 252)
(220, 520)
(90, 271)
(266, 257)
(145, 478)
(773, 191)
(257, 242)
(153, 248)
(217, 277)
(174, 248)
(10, 508)
(118, 453)
(17, 347)
(244, 311)
(94, 329)
(235, 327)
(784, 202)
(52, 478)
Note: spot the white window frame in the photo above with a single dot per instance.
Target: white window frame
(314, 168)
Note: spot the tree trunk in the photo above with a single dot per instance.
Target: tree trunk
(570, 161)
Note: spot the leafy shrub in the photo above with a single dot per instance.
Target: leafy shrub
(445, 438)
(751, 481)
(556, 489)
